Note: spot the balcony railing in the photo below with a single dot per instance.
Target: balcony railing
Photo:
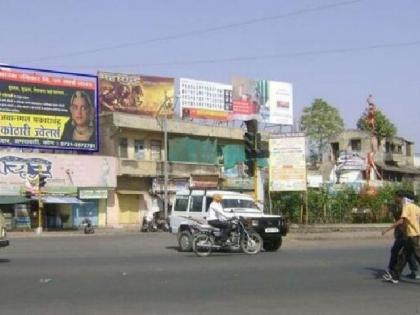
(155, 168)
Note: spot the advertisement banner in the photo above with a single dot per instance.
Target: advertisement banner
(47, 109)
(136, 94)
(60, 170)
(276, 100)
(205, 100)
(267, 101)
(245, 98)
(287, 167)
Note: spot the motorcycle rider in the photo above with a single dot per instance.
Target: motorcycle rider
(217, 219)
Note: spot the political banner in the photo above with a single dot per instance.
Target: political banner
(48, 109)
(136, 94)
(205, 100)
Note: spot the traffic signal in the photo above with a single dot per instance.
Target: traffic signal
(42, 180)
(251, 125)
(249, 139)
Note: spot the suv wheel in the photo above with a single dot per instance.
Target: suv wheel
(185, 241)
(272, 245)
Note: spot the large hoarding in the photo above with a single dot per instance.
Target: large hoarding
(266, 101)
(136, 94)
(245, 98)
(287, 165)
(205, 100)
(276, 102)
(48, 109)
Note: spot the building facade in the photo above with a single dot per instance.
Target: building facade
(199, 156)
(394, 158)
(76, 187)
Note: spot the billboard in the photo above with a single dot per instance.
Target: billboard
(136, 94)
(276, 99)
(205, 100)
(245, 98)
(287, 165)
(266, 101)
(60, 170)
(48, 109)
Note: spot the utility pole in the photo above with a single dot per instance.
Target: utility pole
(163, 122)
(165, 165)
(41, 182)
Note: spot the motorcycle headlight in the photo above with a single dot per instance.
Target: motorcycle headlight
(254, 222)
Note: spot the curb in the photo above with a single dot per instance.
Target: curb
(297, 232)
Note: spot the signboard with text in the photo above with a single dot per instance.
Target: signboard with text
(287, 165)
(47, 109)
(205, 100)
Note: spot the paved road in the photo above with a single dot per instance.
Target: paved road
(145, 274)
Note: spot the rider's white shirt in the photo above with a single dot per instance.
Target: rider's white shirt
(216, 212)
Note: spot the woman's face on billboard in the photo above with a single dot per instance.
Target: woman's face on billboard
(80, 111)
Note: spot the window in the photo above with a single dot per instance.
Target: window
(356, 145)
(123, 148)
(196, 204)
(208, 202)
(156, 147)
(238, 203)
(181, 203)
(139, 149)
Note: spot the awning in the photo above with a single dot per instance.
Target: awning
(61, 199)
(7, 200)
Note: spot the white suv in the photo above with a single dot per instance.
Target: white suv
(192, 206)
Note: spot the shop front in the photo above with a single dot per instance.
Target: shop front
(75, 188)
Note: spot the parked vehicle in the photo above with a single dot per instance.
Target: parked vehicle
(154, 223)
(241, 236)
(3, 241)
(191, 206)
(87, 226)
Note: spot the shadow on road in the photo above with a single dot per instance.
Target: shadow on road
(4, 261)
(175, 248)
(375, 272)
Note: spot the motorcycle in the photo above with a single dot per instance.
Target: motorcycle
(153, 222)
(207, 238)
(87, 226)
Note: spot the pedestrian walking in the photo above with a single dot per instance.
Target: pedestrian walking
(398, 249)
(410, 221)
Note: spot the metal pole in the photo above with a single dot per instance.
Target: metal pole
(40, 204)
(165, 164)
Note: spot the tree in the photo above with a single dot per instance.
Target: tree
(384, 128)
(320, 121)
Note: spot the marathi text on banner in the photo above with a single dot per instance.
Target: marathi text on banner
(46, 109)
(287, 166)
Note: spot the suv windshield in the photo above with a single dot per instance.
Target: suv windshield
(239, 203)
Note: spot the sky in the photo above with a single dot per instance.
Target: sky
(337, 50)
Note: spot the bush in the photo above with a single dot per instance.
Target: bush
(344, 204)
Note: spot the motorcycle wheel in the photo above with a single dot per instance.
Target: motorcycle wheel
(252, 243)
(202, 245)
